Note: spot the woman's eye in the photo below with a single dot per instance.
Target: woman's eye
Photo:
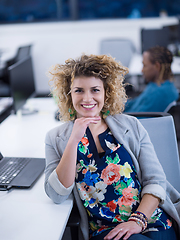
(96, 90)
(78, 91)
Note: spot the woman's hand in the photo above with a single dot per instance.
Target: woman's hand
(125, 229)
(67, 166)
(80, 126)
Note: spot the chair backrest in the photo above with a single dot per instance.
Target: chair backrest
(163, 136)
(121, 49)
(173, 103)
(23, 52)
(175, 112)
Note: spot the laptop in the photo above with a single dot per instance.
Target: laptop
(18, 172)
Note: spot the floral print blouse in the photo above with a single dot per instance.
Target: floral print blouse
(108, 185)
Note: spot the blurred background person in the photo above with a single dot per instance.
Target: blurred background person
(160, 90)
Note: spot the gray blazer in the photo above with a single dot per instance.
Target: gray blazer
(129, 132)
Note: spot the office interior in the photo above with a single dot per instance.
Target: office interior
(52, 42)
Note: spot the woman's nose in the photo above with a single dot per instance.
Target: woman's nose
(87, 97)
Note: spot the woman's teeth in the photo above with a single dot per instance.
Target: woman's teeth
(88, 106)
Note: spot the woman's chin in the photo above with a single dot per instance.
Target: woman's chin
(87, 115)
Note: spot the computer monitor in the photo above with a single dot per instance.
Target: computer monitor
(173, 32)
(21, 82)
(154, 37)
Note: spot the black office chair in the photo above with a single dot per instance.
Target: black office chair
(4, 89)
(175, 112)
(74, 223)
(22, 52)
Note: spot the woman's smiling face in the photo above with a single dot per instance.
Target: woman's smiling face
(88, 95)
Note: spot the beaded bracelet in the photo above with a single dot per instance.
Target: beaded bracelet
(140, 218)
(137, 219)
(141, 214)
(140, 223)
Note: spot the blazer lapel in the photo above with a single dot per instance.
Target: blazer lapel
(118, 128)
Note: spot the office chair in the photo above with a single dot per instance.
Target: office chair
(120, 49)
(160, 127)
(4, 89)
(22, 52)
(173, 103)
(175, 112)
(74, 223)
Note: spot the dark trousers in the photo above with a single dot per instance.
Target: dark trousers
(161, 235)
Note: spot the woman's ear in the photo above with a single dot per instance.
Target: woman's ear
(158, 66)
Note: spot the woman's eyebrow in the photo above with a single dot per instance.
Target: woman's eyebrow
(82, 88)
(96, 87)
(77, 87)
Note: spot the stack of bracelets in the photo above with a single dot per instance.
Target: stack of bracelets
(140, 218)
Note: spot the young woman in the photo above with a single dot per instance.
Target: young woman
(103, 157)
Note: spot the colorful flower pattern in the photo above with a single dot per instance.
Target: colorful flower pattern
(111, 174)
(108, 186)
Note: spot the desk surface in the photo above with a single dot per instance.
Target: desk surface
(30, 214)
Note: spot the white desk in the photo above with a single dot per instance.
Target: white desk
(29, 214)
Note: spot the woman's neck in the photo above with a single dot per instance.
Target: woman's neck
(98, 128)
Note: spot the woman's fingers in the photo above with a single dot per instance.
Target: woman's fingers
(80, 126)
(116, 233)
(125, 229)
(88, 120)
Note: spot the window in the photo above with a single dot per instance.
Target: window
(15, 11)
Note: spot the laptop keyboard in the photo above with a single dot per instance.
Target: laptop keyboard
(11, 169)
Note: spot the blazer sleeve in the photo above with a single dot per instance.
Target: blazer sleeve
(53, 187)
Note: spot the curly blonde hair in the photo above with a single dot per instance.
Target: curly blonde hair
(103, 67)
